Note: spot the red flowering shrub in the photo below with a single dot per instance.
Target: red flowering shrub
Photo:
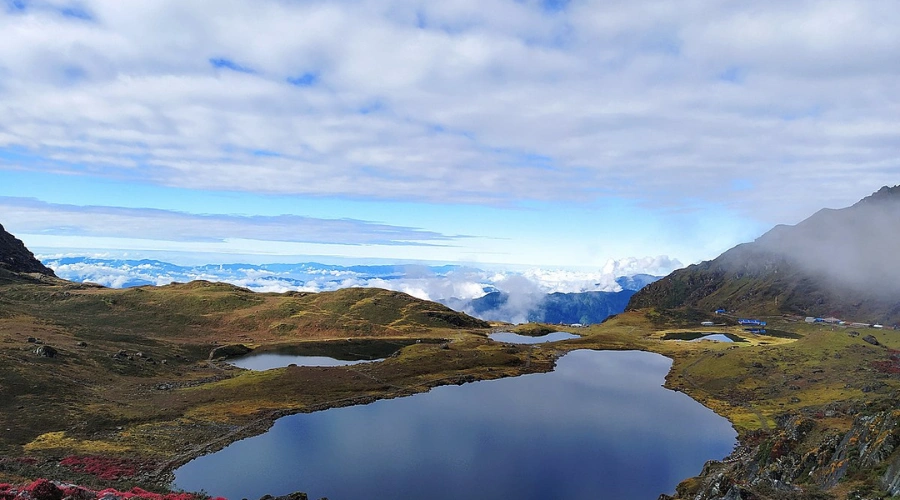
(891, 365)
(78, 493)
(44, 490)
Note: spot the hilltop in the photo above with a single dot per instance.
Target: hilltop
(842, 263)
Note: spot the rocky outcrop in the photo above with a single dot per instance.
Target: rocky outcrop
(891, 479)
(229, 351)
(16, 258)
(804, 460)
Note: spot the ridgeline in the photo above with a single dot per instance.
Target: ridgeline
(837, 263)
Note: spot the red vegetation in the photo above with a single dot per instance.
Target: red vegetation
(43, 489)
(107, 468)
(891, 365)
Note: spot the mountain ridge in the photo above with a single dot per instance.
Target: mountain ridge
(838, 262)
(16, 258)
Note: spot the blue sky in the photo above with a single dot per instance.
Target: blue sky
(503, 132)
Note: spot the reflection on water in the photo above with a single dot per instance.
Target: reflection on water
(515, 338)
(716, 337)
(599, 426)
(694, 336)
(267, 361)
(325, 353)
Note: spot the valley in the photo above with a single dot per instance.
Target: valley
(120, 387)
(135, 375)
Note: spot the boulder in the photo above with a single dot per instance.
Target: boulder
(46, 351)
(228, 351)
(871, 340)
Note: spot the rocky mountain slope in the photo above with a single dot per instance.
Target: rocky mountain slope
(14, 257)
(843, 263)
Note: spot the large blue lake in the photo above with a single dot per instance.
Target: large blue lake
(600, 426)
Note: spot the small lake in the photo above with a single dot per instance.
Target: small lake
(699, 336)
(268, 361)
(515, 338)
(599, 426)
(716, 337)
(325, 353)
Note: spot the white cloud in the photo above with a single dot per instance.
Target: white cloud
(32, 216)
(463, 102)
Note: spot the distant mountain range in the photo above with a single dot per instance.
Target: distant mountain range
(568, 308)
(843, 263)
(432, 282)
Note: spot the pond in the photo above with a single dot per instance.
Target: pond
(325, 353)
(697, 336)
(515, 338)
(599, 426)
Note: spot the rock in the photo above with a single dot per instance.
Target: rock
(227, 351)
(46, 351)
(15, 257)
(891, 479)
(297, 495)
(31, 340)
(871, 340)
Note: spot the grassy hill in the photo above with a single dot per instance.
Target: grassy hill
(117, 358)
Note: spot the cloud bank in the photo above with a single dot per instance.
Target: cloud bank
(488, 102)
(437, 282)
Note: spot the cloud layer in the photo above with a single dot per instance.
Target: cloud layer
(488, 102)
(453, 285)
(70, 220)
(425, 282)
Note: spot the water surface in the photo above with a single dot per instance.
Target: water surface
(599, 427)
(267, 361)
(323, 353)
(696, 336)
(515, 338)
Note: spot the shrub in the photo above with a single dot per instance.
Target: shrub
(43, 489)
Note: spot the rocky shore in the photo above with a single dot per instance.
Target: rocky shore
(804, 459)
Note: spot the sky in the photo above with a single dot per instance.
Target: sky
(553, 133)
